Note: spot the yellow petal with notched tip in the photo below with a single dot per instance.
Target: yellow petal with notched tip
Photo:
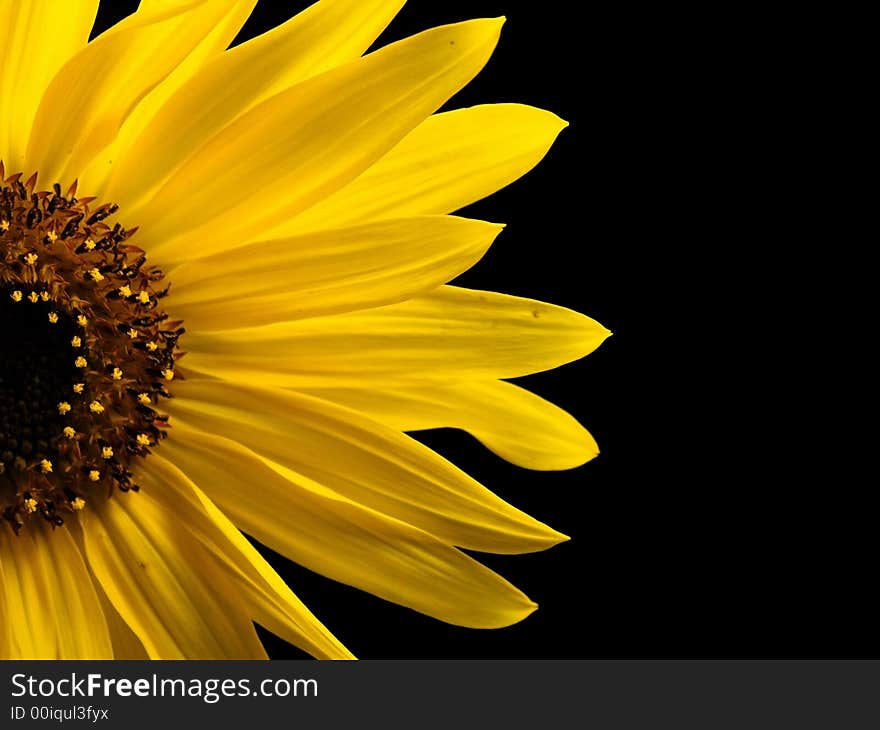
(449, 161)
(343, 540)
(517, 425)
(364, 461)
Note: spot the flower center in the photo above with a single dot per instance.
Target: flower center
(86, 352)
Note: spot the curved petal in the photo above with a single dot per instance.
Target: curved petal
(327, 272)
(217, 32)
(36, 39)
(300, 145)
(325, 35)
(270, 602)
(449, 161)
(163, 583)
(362, 460)
(93, 93)
(451, 333)
(5, 619)
(342, 540)
(32, 625)
(54, 610)
(519, 426)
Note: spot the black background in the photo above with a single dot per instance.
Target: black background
(698, 531)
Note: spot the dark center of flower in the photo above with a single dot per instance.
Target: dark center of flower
(86, 352)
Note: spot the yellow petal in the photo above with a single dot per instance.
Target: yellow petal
(343, 540)
(327, 272)
(517, 425)
(362, 460)
(93, 93)
(53, 607)
(327, 34)
(449, 161)
(162, 582)
(36, 39)
(270, 602)
(451, 333)
(217, 32)
(29, 614)
(126, 644)
(5, 622)
(304, 143)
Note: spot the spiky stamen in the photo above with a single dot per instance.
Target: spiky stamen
(86, 352)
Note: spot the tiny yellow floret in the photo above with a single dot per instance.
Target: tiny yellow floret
(143, 439)
(16, 296)
(46, 466)
(64, 408)
(94, 475)
(31, 259)
(75, 341)
(80, 362)
(53, 317)
(96, 407)
(69, 432)
(107, 452)
(78, 503)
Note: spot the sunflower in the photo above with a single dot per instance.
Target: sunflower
(224, 300)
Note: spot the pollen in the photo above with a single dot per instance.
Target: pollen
(89, 288)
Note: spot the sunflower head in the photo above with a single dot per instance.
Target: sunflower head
(86, 356)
